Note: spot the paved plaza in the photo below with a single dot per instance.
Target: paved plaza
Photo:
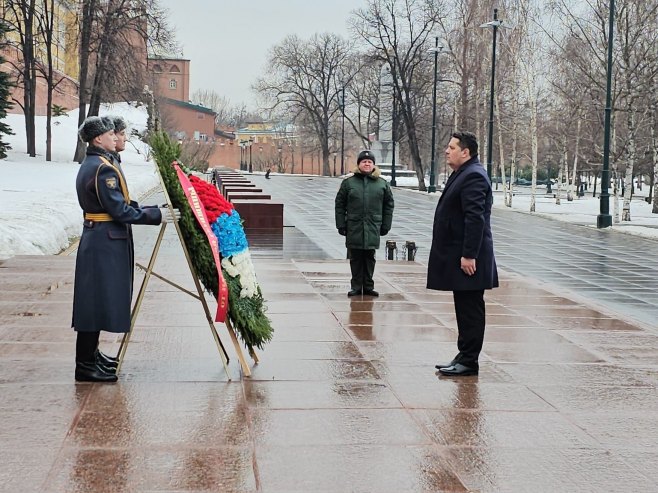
(346, 398)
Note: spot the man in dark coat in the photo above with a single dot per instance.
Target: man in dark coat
(462, 257)
(364, 212)
(104, 264)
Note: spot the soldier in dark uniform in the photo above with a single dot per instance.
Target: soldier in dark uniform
(104, 265)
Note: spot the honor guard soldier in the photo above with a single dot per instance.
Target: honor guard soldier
(104, 265)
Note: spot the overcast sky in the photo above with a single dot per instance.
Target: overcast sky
(228, 41)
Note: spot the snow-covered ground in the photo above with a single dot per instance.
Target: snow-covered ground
(39, 211)
(584, 210)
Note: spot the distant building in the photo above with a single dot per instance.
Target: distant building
(261, 144)
(66, 62)
(184, 119)
(170, 77)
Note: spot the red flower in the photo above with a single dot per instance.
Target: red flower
(212, 201)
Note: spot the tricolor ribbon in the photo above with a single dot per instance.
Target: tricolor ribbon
(200, 214)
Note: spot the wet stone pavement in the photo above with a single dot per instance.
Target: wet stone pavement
(345, 398)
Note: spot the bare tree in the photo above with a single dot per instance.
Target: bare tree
(21, 17)
(196, 154)
(362, 97)
(115, 36)
(398, 32)
(224, 113)
(583, 50)
(305, 77)
(46, 31)
(654, 153)
(5, 87)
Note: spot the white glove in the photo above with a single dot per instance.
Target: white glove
(169, 215)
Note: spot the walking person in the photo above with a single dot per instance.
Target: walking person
(364, 212)
(104, 265)
(462, 258)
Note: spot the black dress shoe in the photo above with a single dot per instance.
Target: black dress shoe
(444, 365)
(92, 372)
(107, 361)
(458, 370)
(370, 292)
(354, 292)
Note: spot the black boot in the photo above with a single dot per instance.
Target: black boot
(92, 372)
(105, 360)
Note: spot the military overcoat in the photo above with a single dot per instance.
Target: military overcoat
(104, 265)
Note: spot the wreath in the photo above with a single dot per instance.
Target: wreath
(246, 307)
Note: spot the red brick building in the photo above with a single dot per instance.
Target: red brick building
(190, 123)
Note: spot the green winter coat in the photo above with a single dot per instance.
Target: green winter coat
(364, 207)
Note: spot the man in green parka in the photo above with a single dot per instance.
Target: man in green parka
(364, 212)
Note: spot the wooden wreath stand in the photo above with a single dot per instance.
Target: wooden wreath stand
(148, 272)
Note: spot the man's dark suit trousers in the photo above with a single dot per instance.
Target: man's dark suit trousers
(469, 308)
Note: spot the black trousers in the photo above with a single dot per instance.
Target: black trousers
(85, 347)
(362, 264)
(469, 308)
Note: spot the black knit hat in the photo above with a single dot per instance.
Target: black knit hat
(93, 126)
(367, 154)
(119, 123)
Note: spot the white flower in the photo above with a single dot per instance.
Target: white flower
(241, 265)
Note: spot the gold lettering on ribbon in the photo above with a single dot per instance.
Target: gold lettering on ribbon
(200, 214)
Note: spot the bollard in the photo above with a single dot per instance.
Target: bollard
(391, 247)
(410, 248)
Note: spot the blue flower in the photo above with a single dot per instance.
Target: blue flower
(230, 234)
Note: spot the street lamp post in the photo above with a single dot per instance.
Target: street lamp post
(604, 219)
(241, 156)
(334, 164)
(393, 181)
(342, 133)
(432, 187)
(251, 141)
(495, 24)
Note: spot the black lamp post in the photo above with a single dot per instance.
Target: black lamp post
(495, 24)
(432, 187)
(393, 181)
(334, 164)
(251, 141)
(342, 133)
(604, 219)
(241, 156)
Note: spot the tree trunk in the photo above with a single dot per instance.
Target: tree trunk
(562, 172)
(654, 145)
(501, 149)
(29, 74)
(575, 180)
(630, 164)
(535, 149)
(88, 8)
(513, 157)
(49, 12)
(615, 174)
